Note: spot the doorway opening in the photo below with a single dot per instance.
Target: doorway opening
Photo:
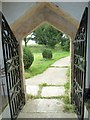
(48, 78)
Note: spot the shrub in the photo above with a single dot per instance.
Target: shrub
(28, 57)
(47, 54)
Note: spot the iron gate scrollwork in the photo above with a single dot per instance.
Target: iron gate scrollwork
(80, 46)
(10, 47)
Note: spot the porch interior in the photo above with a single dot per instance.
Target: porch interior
(43, 108)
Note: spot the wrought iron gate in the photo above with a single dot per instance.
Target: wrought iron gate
(10, 46)
(80, 45)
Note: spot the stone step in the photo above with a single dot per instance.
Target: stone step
(45, 108)
(53, 91)
(49, 116)
(43, 105)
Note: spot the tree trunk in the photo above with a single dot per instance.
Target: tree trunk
(25, 42)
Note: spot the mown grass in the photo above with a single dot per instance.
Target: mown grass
(40, 65)
(67, 85)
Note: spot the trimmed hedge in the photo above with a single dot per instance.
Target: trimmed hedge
(47, 54)
(28, 57)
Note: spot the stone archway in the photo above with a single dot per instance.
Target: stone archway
(44, 12)
(39, 14)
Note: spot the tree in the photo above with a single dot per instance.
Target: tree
(29, 37)
(26, 41)
(65, 43)
(47, 35)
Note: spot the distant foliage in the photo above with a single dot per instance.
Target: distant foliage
(47, 54)
(47, 35)
(28, 57)
(65, 44)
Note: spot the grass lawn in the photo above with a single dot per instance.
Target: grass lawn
(40, 65)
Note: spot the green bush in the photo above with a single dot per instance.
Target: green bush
(28, 57)
(47, 54)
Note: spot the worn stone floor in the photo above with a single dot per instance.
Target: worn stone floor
(45, 108)
(49, 84)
